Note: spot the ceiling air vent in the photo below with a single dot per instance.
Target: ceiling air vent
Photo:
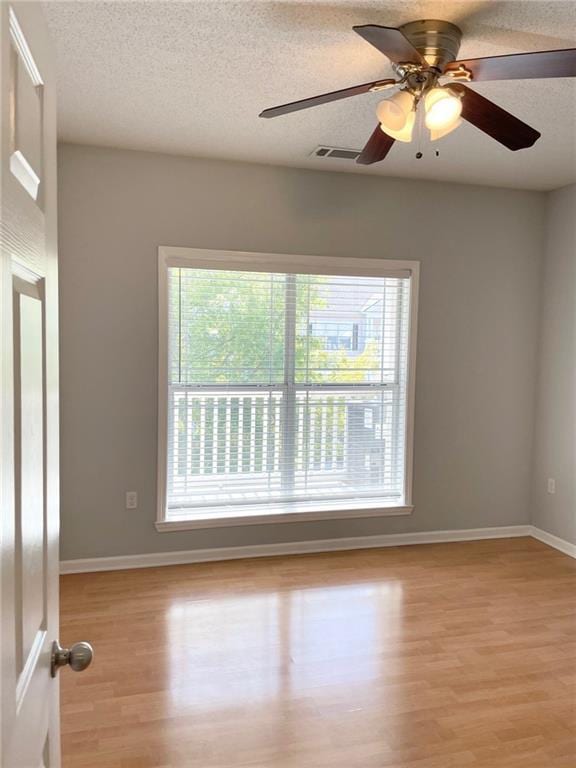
(335, 153)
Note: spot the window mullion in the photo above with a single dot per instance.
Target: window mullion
(289, 400)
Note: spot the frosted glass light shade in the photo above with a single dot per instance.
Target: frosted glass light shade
(396, 116)
(443, 110)
(393, 112)
(406, 133)
(441, 132)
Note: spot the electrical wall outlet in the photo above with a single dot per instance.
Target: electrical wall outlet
(131, 499)
(551, 485)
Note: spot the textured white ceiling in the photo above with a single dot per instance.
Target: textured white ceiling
(191, 77)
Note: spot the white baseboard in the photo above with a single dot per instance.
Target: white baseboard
(154, 559)
(553, 541)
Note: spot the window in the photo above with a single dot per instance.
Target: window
(283, 393)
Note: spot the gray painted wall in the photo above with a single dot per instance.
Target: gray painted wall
(555, 432)
(480, 250)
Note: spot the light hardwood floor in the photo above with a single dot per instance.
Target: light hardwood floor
(434, 656)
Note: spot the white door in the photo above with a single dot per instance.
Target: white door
(29, 407)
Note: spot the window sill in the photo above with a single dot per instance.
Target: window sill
(227, 519)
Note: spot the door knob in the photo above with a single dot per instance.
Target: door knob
(78, 657)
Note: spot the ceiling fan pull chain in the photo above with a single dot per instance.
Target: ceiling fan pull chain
(419, 133)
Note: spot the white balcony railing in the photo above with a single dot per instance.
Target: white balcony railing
(228, 447)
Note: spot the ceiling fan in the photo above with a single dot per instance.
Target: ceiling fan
(423, 56)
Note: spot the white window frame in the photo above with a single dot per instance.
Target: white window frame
(197, 258)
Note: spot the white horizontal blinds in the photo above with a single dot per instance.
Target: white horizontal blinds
(225, 327)
(285, 388)
(351, 370)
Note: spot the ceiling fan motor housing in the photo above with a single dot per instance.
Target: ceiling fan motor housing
(437, 41)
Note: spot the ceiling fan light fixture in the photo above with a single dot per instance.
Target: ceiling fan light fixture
(443, 110)
(396, 116)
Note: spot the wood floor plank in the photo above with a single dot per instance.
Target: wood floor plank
(458, 655)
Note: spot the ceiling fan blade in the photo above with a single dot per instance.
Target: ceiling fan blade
(494, 120)
(377, 147)
(391, 42)
(519, 66)
(325, 98)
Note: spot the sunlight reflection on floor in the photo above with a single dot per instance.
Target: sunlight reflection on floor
(250, 649)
